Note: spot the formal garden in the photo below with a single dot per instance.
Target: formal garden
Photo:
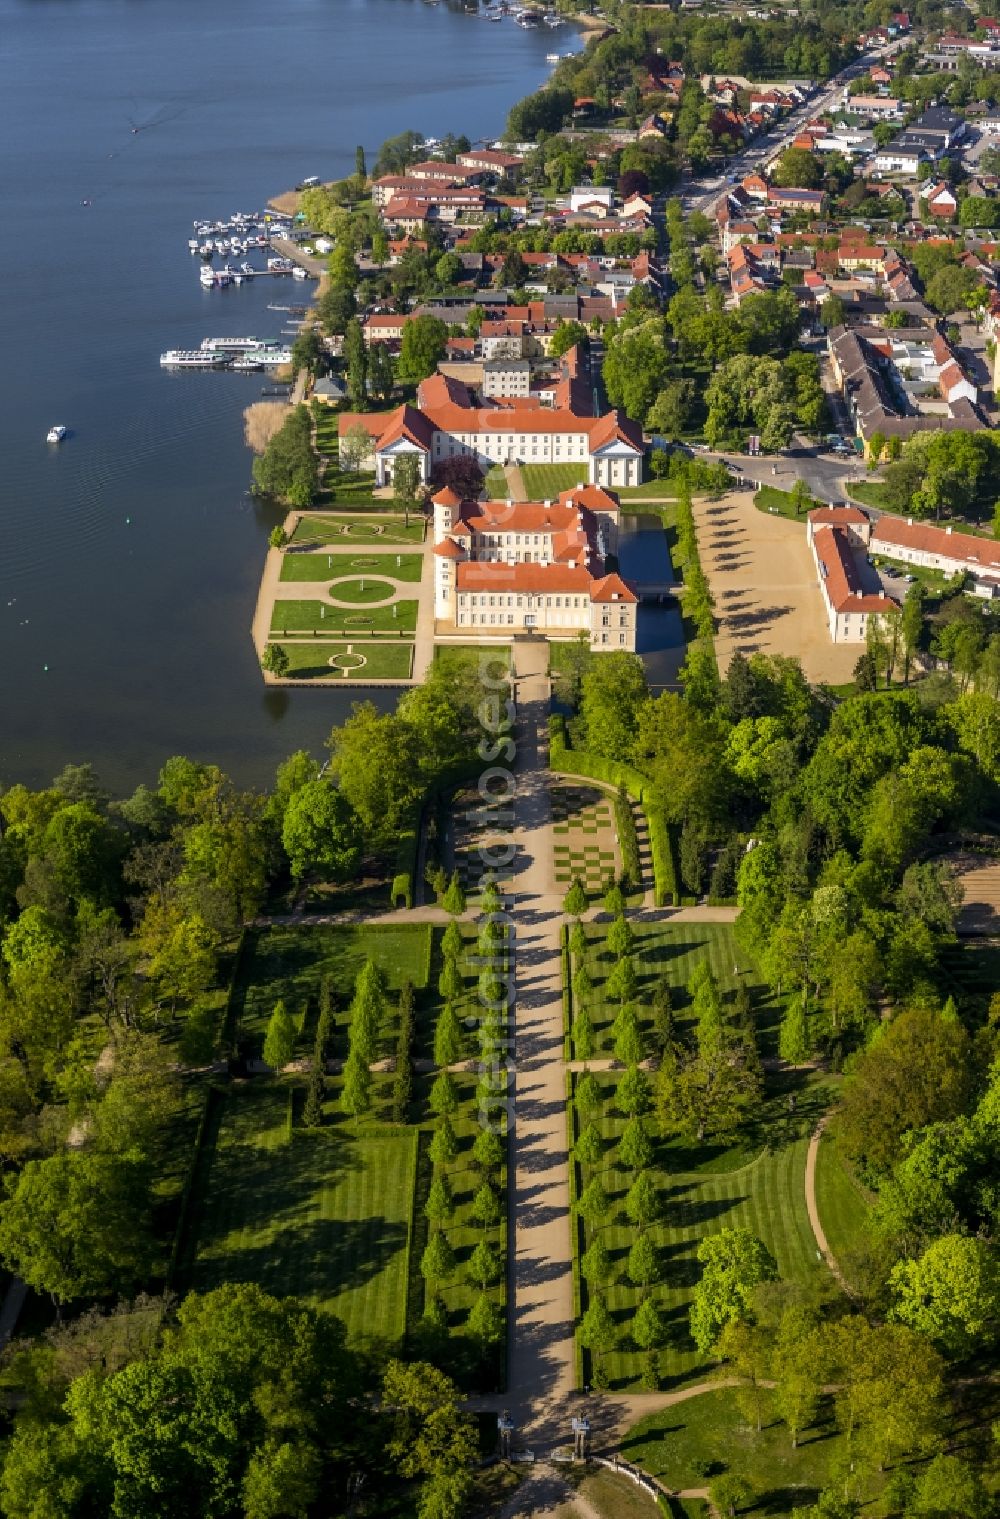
(317, 565)
(318, 529)
(359, 659)
(352, 1163)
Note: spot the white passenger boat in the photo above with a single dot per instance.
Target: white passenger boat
(231, 345)
(190, 358)
(55, 434)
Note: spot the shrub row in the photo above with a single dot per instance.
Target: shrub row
(628, 839)
(567, 994)
(213, 1095)
(408, 848)
(576, 1224)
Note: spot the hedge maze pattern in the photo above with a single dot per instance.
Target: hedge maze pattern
(583, 824)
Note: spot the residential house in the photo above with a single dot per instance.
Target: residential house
(940, 201)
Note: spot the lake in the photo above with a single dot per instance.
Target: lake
(131, 553)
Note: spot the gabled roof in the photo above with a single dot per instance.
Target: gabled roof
(448, 549)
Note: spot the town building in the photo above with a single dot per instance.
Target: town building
(446, 424)
(541, 566)
(838, 537)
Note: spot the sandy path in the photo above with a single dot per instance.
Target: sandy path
(540, 1369)
(819, 1234)
(767, 598)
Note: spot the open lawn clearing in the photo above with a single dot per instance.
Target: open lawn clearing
(603, 1495)
(320, 566)
(495, 485)
(841, 1204)
(378, 661)
(652, 490)
(321, 617)
(291, 961)
(765, 1194)
(671, 951)
(770, 499)
(321, 529)
(465, 658)
(712, 1434)
(324, 1216)
(584, 844)
(544, 482)
(767, 599)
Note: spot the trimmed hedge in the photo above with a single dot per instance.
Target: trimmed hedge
(576, 1225)
(567, 995)
(663, 849)
(408, 848)
(213, 1095)
(628, 841)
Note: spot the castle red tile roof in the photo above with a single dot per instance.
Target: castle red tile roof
(843, 587)
(974, 552)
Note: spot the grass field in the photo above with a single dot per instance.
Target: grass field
(463, 658)
(671, 951)
(765, 1194)
(687, 1445)
(841, 1204)
(290, 963)
(324, 1216)
(495, 486)
(382, 661)
(326, 566)
(324, 529)
(328, 1214)
(544, 482)
(770, 499)
(293, 616)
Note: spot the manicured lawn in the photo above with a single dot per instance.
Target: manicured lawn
(327, 1214)
(841, 1204)
(322, 529)
(652, 490)
(324, 1216)
(868, 492)
(361, 589)
(765, 1194)
(584, 844)
(383, 661)
(672, 950)
(770, 499)
(711, 1433)
(321, 617)
(544, 482)
(495, 486)
(291, 962)
(320, 566)
(464, 658)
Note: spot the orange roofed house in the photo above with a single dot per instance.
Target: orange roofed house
(507, 566)
(446, 425)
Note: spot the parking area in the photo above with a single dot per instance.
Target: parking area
(767, 599)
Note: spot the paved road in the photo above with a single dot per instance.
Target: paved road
(701, 194)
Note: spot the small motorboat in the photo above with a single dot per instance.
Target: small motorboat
(55, 434)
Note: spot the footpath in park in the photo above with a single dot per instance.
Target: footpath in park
(540, 1384)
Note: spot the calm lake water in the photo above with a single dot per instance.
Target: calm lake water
(131, 554)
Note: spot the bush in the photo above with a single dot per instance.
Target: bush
(401, 894)
(662, 848)
(628, 839)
